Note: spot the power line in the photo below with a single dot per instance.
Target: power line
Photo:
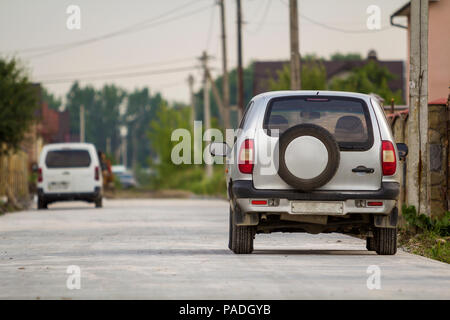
(263, 18)
(120, 32)
(342, 30)
(126, 29)
(120, 75)
(108, 70)
(211, 25)
(323, 25)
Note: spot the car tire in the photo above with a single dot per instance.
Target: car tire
(241, 236)
(99, 202)
(230, 231)
(41, 203)
(385, 241)
(330, 144)
(370, 243)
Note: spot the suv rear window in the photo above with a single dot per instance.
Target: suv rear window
(347, 119)
(68, 159)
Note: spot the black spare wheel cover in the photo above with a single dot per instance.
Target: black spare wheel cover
(309, 156)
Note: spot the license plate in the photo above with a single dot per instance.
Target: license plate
(313, 207)
(61, 185)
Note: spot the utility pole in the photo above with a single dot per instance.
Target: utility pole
(192, 97)
(123, 134)
(219, 101)
(82, 123)
(225, 82)
(240, 80)
(295, 46)
(108, 145)
(206, 111)
(418, 193)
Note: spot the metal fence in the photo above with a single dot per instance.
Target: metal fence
(14, 174)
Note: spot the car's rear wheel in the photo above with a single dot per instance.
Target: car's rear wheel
(385, 241)
(370, 243)
(99, 202)
(230, 231)
(42, 204)
(241, 237)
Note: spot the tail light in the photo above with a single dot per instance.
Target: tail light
(246, 157)
(40, 175)
(259, 202)
(97, 174)
(388, 160)
(375, 203)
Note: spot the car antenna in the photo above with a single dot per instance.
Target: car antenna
(317, 93)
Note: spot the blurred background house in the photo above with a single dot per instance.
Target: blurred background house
(265, 71)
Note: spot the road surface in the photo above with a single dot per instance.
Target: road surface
(177, 249)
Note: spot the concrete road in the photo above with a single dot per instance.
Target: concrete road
(177, 249)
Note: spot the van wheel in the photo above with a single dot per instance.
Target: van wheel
(99, 202)
(41, 204)
(385, 241)
(241, 237)
(370, 243)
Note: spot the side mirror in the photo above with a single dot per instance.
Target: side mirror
(402, 151)
(34, 167)
(219, 149)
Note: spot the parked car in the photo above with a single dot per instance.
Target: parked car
(126, 179)
(316, 162)
(69, 171)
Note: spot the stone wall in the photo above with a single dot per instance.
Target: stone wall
(439, 166)
(438, 149)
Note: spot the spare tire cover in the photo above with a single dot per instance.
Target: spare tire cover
(309, 156)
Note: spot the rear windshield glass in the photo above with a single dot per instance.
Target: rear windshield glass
(346, 119)
(68, 159)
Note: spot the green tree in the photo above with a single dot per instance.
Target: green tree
(248, 94)
(370, 78)
(337, 56)
(182, 176)
(53, 102)
(167, 120)
(313, 76)
(142, 108)
(102, 117)
(18, 102)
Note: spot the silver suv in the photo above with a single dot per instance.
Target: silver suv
(316, 162)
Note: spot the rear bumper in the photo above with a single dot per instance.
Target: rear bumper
(244, 193)
(245, 189)
(72, 196)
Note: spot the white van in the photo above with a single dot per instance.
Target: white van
(69, 171)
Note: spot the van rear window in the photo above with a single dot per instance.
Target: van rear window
(347, 119)
(68, 159)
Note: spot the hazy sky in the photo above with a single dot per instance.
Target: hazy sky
(174, 41)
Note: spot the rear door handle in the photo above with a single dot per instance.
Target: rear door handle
(363, 169)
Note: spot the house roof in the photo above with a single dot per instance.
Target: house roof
(405, 9)
(405, 112)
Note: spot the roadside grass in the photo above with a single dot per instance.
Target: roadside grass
(427, 244)
(425, 236)
(186, 183)
(6, 207)
(193, 180)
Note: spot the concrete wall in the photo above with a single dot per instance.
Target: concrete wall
(438, 49)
